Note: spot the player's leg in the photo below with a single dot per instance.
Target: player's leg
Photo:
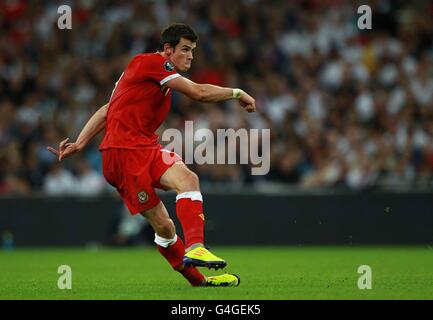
(173, 249)
(189, 210)
(189, 202)
(170, 245)
(129, 172)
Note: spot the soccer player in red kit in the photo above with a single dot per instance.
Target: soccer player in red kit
(134, 161)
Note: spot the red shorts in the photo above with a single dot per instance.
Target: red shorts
(135, 174)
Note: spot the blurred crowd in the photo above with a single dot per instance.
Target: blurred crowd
(346, 107)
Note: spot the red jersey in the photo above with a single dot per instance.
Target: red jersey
(139, 104)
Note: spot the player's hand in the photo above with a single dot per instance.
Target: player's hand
(66, 149)
(247, 102)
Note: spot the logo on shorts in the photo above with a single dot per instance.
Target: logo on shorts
(142, 196)
(168, 66)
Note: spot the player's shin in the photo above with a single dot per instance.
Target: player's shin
(173, 251)
(189, 210)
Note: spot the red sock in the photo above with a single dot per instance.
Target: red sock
(189, 210)
(174, 254)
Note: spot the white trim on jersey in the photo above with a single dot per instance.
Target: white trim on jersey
(168, 78)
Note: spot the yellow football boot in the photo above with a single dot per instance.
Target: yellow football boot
(202, 257)
(224, 280)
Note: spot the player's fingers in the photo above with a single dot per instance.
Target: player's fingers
(63, 155)
(62, 143)
(57, 153)
(68, 151)
(250, 108)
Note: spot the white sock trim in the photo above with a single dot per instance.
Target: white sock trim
(165, 242)
(193, 195)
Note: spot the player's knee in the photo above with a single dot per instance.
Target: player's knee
(190, 182)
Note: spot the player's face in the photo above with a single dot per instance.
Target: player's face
(182, 55)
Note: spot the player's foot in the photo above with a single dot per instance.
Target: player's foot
(224, 280)
(201, 257)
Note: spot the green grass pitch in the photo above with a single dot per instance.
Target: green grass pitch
(278, 273)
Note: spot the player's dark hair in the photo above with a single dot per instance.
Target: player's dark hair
(174, 32)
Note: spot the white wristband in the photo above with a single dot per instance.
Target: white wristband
(237, 93)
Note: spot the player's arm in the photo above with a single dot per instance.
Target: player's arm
(95, 125)
(211, 93)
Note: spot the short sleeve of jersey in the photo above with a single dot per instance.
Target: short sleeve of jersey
(155, 67)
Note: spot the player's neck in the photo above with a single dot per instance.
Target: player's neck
(163, 54)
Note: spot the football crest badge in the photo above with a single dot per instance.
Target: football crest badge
(142, 196)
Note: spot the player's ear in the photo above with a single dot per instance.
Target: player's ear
(168, 49)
